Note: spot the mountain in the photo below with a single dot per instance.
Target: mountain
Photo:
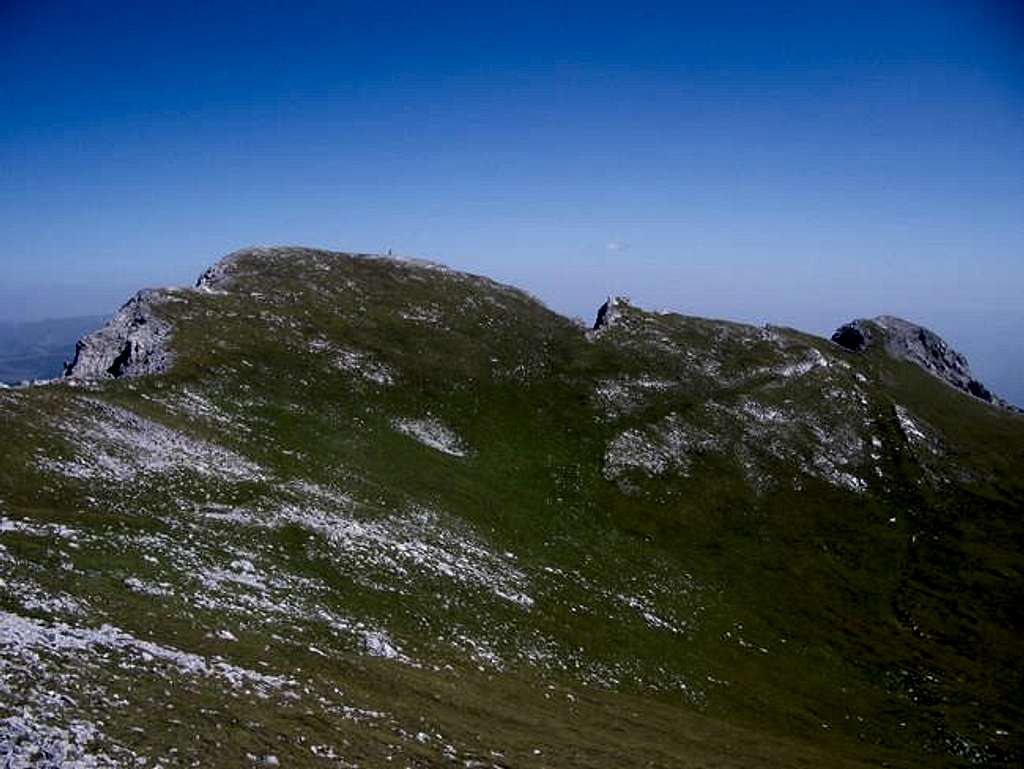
(922, 346)
(331, 510)
(39, 350)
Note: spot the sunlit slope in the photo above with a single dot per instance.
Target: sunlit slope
(378, 508)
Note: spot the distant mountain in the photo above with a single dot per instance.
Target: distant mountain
(38, 350)
(333, 510)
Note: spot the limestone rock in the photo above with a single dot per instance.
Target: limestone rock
(916, 344)
(133, 343)
(609, 312)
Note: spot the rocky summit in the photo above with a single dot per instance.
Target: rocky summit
(908, 341)
(336, 510)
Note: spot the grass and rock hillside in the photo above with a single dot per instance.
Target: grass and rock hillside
(326, 510)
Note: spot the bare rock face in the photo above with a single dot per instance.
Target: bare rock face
(854, 336)
(916, 344)
(133, 343)
(609, 312)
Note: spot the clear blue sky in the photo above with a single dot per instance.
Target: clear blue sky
(800, 163)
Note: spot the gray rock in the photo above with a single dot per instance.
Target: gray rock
(854, 336)
(132, 344)
(916, 344)
(609, 312)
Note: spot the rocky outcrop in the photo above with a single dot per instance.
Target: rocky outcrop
(853, 336)
(609, 312)
(133, 343)
(916, 344)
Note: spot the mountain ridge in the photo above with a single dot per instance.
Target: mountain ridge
(126, 346)
(380, 512)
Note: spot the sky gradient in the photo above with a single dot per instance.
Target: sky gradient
(798, 163)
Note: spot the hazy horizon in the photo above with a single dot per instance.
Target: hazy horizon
(802, 164)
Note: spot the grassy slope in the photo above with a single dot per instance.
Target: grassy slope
(807, 626)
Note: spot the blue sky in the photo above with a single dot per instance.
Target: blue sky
(800, 163)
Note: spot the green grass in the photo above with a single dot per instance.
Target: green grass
(811, 630)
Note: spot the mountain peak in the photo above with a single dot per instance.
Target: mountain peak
(908, 341)
(135, 342)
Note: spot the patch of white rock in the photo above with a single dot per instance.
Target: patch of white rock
(433, 434)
